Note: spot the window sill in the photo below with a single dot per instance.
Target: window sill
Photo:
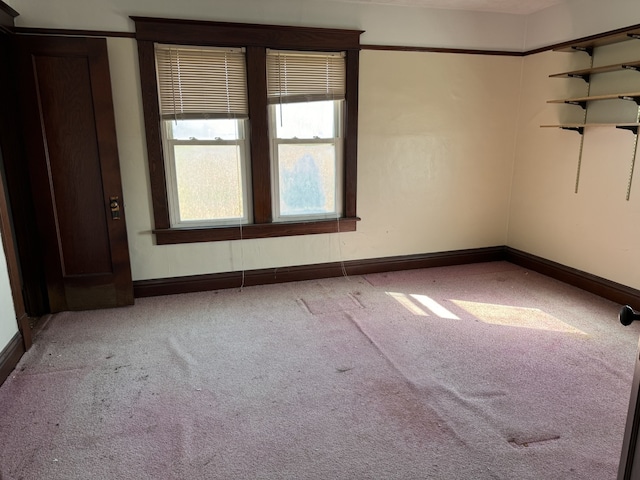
(267, 230)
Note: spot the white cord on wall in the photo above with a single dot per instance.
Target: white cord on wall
(341, 258)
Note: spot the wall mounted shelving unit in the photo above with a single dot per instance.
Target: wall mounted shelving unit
(586, 74)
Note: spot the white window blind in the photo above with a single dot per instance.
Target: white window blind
(305, 76)
(200, 82)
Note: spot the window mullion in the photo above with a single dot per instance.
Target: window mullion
(350, 116)
(259, 137)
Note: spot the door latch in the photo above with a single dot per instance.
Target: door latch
(114, 204)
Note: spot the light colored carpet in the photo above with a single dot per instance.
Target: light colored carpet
(483, 371)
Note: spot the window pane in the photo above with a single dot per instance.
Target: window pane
(305, 120)
(209, 182)
(307, 179)
(212, 129)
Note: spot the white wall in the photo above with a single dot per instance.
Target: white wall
(8, 323)
(435, 151)
(579, 18)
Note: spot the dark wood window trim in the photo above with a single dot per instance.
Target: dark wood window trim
(264, 230)
(256, 39)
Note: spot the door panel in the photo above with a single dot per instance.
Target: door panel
(70, 141)
(74, 169)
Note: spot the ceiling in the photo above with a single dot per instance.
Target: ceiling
(498, 6)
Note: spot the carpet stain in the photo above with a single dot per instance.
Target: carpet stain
(532, 441)
(339, 370)
(408, 409)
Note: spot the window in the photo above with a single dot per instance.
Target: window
(204, 112)
(251, 129)
(305, 92)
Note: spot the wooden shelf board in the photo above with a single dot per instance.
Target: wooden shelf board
(600, 42)
(586, 125)
(603, 69)
(612, 96)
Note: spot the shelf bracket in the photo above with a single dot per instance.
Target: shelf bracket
(580, 103)
(630, 98)
(631, 128)
(584, 76)
(635, 68)
(587, 50)
(580, 130)
(634, 35)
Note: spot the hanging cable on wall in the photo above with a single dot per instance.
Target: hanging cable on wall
(340, 256)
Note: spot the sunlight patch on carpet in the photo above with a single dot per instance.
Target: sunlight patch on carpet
(509, 316)
(416, 304)
(407, 303)
(435, 307)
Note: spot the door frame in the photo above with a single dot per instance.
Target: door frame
(7, 22)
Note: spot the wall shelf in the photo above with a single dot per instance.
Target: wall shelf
(581, 101)
(586, 73)
(590, 47)
(588, 125)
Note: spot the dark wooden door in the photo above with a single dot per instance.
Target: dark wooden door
(73, 162)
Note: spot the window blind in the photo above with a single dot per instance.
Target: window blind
(305, 76)
(195, 83)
